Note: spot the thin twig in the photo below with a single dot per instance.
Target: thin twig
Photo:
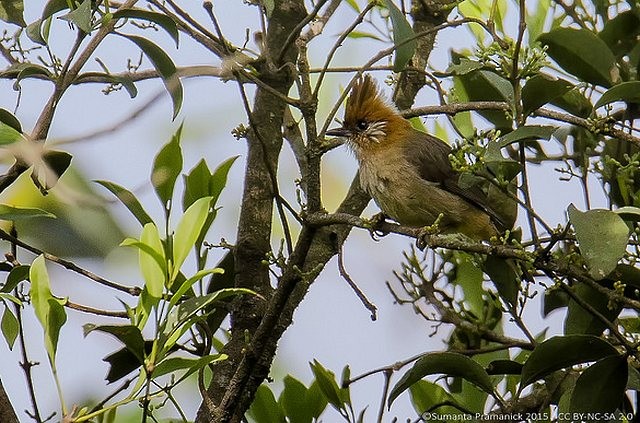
(96, 311)
(135, 291)
(361, 296)
(296, 31)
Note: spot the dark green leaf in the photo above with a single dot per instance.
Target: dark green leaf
(166, 168)
(10, 327)
(123, 362)
(504, 275)
(447, 363)
(264, 408)
(504, 367)
(164, 21)
(602, 237)
(7, 118)
(293, 401)
(57, 161)
(327, 383)
(21, 71)
(12, 11)
(563, 351)
(17, 275)
(528, 133)
(483, 85)
(600, 388)
(581, 53)
(129, 335)
(627, 91)
(620, 33)
(81, 16)
(579, 320)
(575, 103)
(402, 32)
(18, 213)
(126, 81)
(129, 200)
(469, 277)
(553, 300)
(629, 213)
(542, 89)
(165, 67)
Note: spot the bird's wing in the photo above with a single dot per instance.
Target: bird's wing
(432, 162)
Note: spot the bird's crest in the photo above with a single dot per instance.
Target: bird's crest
(367, 103)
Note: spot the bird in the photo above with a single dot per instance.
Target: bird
(408, 173)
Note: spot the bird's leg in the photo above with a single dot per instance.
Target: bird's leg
(375, 226)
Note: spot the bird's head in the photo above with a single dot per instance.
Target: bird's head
(370, 122)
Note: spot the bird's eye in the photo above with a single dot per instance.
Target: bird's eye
(362, 125)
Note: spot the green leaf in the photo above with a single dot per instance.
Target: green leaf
(579, 320)
(162, 20)
(35, 34)
(504, 276)
(52, 7)
(629, 213)
(219, 178)
(19, 213)
(402, 32)
(469, 277)
(581, 53)
(528, 133)
(179, 319)
(563, 351)
(293, 401)
(542, 89)
(196, 184)
(151, 259)
(166, 168)
(264, 408)
(327, 383)
(602, 237)
(600, 388)
(575, 103)
(620, 33)
(8, 135)
(129, 335)
(10, 327)
(48, 309)
(627, 91)
(186, 285)
(485, 85)
(188, 231)
(315, 400)
(81, 16)
(361, 34)
(164, 66)
(447, 363)
(427, 396)
(17, 275)
(464, 66)
(504, 367)
(7, 118)
(12, 11)
(129, 200)
(58, 162)
(176, 364)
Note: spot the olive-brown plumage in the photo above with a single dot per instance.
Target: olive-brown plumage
(408, 173)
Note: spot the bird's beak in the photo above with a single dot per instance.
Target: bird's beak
(339, 132)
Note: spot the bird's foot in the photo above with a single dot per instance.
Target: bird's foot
(422, 239)
(375, 226)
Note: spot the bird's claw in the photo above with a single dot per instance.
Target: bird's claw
(375, 226)
(423, 237)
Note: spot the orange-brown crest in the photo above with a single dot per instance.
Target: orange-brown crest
(367, 103)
